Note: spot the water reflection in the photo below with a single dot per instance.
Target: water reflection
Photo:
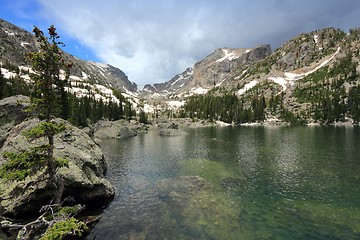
(234, 183)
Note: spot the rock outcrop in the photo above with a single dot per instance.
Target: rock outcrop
(84, 178)
(11, 114)
(166, 128)
(118, 129)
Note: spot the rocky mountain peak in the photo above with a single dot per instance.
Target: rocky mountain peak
(15, 43)
(210, 72)
(216, 68)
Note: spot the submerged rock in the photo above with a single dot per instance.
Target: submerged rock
(84, 178)
(197, 210)
(179, 190)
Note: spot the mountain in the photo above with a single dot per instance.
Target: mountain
(15, 43)
(209, 72)
(314, 77)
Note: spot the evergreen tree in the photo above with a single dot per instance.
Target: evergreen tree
(2, 85)
(47, 64)
(142, 117)
(128, 111)
(39, 161)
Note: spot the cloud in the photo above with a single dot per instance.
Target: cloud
(151, 41)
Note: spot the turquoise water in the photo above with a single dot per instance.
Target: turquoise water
(235, 183)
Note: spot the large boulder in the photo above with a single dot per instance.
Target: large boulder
(12, 113)
(118, 129)
(84, 178)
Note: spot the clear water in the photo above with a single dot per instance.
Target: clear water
(251, 183)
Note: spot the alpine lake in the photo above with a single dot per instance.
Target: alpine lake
(234, 183)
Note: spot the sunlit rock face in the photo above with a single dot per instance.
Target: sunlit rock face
(84, 178)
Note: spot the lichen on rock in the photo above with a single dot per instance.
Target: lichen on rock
(83, 178)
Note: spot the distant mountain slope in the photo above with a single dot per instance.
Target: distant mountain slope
(314, 77)
(16, 42)
(212, 71)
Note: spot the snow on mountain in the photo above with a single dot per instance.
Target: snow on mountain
(247, 87)
(229, 55)
(290, 77)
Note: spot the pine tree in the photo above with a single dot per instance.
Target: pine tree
(2, 85)
(46, 63)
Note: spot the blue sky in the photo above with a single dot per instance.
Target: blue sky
(151, 41)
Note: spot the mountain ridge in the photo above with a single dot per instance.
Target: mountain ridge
(284, 80)
(16, 42)
(210, 71)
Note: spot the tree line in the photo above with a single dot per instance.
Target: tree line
(79, 111)
(227, 108)
(332, 92)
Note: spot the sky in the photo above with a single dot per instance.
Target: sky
(153, 40)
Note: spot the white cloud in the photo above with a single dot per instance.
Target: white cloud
(151, 41)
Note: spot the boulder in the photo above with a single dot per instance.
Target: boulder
(171, 132)
(166, 128)
(168, 125)
(12, 113)
(83, 178)
(117, 129)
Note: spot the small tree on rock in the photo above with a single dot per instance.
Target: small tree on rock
(50, 78)
(49, 83)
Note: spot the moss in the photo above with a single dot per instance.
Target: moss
(210, 170)
(344, 220)
(61, 230)
(198, 211)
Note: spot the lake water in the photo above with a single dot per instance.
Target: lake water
(235, 183)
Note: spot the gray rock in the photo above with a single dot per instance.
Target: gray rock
(113, 129)
(167, 132)
(168, 125)
(12, 113)
(84, 178)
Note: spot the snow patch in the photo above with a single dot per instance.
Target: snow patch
(279, 80)
(181, 77)
(229, 55)
(9, 33)
(247, 87)
(199, 90)
(217, 85)
(175, 104)
(316, 38)
(221, 123)
(7, 74)
(290, 78)
(23, 44)
(85, 76)
(149, 108)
